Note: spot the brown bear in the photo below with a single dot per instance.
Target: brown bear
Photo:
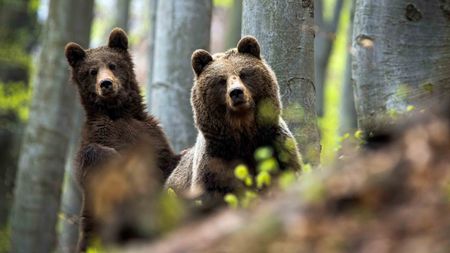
(116, 120)
(237, 109)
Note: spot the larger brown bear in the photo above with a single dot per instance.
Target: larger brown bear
(116, 120)
(237, 109)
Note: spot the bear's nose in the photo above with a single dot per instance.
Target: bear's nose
(237, 95)
(106, 84)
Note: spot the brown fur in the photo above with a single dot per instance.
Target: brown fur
(230, 127)
(116, 120)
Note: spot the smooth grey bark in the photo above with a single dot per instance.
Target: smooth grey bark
(47, 135)
(122, 14)
(71, 195)
(233, 33)
(348, 122)
(323, 45)
(286, 34)
(401, 57)
(153, 7)
(181, 27)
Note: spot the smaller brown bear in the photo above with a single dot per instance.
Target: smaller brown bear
(237, 109)
(116, 121)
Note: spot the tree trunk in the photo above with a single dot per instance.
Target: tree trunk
(122, 14)
(401, 57)
(47, 136)
(234, 25)
(348, 121)
(323, 45)
(153, 6)
(285, 31)
(182, 26)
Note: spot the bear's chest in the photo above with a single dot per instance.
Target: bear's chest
(119, 134)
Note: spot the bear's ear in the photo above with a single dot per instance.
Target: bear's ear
(200, 58)
(249, 45)
(74, 53)
(118, 39)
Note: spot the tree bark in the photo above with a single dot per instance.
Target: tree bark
(348, 122)
(122, 14)
(153, 6)
(285, 31)
(46, 139)
(182, 26)
(401, 57)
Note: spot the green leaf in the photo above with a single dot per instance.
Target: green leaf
(263, 179)
(286, 179)
(231, 200)
(306, 168)
(241, 172)
(358, 134)
(263, 153)
(249, 196)
(269, 165)
(248, 181)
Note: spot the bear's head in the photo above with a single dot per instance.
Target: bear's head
(104, 75)
(235, 90)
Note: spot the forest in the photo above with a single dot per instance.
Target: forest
(224, 126)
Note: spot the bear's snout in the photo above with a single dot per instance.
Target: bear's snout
(106, 83)
(237, 96)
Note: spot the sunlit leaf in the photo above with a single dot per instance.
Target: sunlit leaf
(241, 172)
(231, 200)
(263, 179)
(263, 153)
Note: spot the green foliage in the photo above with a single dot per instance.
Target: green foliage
(263, 179)
(15, 97)
(268, 165)
(263, 153)
(329, 123)
(170, 210)
(231, 200)
(13, 54)
(223, 3)
(248, 198)
(241, 172)
(4, 239)
(286, 179)
(427, 87)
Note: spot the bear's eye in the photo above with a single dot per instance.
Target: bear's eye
(93, 72)
(222, 81)
(112, 66)
(245, 73)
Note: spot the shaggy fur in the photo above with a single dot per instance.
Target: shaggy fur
(116, 120)
(231, 128)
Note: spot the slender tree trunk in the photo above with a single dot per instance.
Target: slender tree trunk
(234, 25)
(401, 57)
(182, 26)
(323, 45)
(153, 5)
(123, 14)
(285, 31)
(348, 121)
(47, 136)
